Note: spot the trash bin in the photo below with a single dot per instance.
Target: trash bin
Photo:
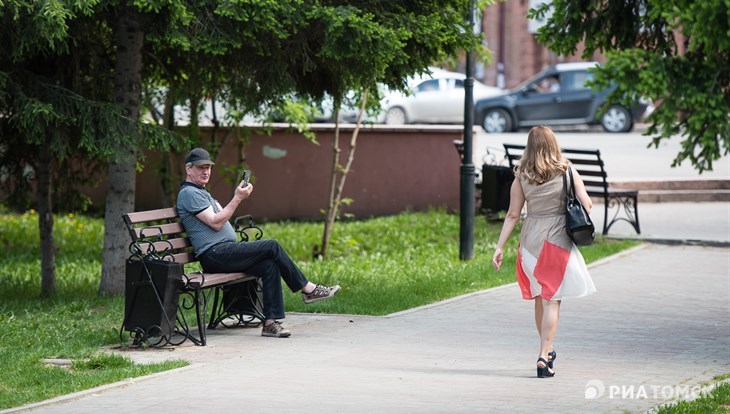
(496, 184)
(143, 286)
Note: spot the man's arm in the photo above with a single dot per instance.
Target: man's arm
(216, 221)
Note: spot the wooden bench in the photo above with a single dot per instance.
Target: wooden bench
(589, 164)
(159, 237)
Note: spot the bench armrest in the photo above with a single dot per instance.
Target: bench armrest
(247, 231)
(153, 246)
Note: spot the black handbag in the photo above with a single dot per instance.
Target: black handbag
(578, 223)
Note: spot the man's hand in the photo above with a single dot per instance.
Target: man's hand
(216, 221)
(243, 193)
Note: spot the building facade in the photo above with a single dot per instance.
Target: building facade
(516, 55)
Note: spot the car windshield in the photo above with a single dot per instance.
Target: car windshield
(524, 84)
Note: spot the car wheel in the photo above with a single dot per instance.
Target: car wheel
(496, 121)
(395, 116)
(617, 119)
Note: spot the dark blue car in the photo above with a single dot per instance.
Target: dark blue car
(556, 96)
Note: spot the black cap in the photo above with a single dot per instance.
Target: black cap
(198, 156)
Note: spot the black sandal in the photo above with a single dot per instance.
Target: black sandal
(551, 358)
(544, 372)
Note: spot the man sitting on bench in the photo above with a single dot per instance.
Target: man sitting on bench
(216, 247)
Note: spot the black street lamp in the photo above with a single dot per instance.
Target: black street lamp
(467, 207)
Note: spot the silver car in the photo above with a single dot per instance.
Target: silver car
(434, 98)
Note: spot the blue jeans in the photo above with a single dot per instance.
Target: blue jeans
(264, 259)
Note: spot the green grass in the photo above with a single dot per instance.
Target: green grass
(384, 265)
(394, 263)
(75, 324)
(715, 401)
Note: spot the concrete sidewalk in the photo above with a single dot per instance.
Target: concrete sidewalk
(658, 328)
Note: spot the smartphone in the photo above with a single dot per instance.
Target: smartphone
(246, 178)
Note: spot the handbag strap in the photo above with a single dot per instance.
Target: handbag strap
(572, 185)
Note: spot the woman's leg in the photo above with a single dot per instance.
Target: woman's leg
(538, 314)
(548, 326)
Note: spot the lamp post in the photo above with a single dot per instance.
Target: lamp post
(466, 233)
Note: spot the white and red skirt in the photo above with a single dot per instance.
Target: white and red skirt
(554, 274)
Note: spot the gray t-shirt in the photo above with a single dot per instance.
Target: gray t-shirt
(191, 200)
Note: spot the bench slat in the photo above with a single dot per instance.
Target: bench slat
(590, 183)
(152, 215)
(591, 173)
(155, 230)
(207, 280)
(581, 151)
(185, 257)
(578, 161)
(176, 243)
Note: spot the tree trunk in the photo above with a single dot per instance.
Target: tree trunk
(336, 188)
(167, 176)
(45, 222)
(122, 173)
(350, 154)
(329, 222)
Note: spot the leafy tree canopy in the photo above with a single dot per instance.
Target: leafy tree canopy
(56, 88)
(250, 52)
(675, 52)
(57, 61)
(56, 76)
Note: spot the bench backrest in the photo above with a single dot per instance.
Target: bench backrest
(160, 231)
(587, 162)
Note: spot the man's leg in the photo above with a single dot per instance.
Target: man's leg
(254, 258)
(290, 273)
(267, 260)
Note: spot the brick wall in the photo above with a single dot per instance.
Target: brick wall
(410, 167)
(506, 34)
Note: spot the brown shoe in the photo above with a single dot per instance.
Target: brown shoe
(320, 292)
(275, 330)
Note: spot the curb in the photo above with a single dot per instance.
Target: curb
(675, 242)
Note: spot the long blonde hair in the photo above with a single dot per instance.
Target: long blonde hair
(542, 159)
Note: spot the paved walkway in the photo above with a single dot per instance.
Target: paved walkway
(657, 329)
(675, 222)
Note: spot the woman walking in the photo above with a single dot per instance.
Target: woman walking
(549, 266)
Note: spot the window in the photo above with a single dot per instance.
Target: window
(548, 84)
(573, 81)
(429, 85)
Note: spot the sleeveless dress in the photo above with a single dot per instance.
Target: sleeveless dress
(548, 263)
